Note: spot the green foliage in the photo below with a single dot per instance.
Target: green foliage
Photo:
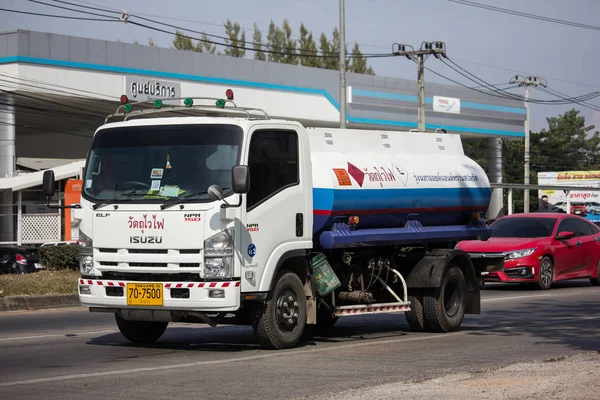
(308, 46)
(282, 46)
(236, 40)
(275, 42)
(60, 257)
(258, 46)
(567, 145)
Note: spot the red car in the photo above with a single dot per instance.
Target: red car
(578, 209)
(541, 248)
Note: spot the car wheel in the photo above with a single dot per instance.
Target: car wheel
(596, 281)
(546, 273)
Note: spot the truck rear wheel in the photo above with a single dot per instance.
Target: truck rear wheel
(141, 331)
(415, 317)
(445, 307)
(280, 322)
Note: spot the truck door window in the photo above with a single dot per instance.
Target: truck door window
(273, 164)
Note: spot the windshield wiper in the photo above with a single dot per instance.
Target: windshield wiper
(103, 203)
(131, 193)
(181, 200)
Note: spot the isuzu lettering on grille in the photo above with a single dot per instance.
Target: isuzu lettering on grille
(145, 239)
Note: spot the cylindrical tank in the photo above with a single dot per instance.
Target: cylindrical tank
(383, 177)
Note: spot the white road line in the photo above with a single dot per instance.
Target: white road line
(275, 353)
(553, 294)
(531, 296)
(56, 335)
(279, 353)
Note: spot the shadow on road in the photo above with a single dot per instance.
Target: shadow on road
(548, 320)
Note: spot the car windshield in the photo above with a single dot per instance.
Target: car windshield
(523, 227)
(154, 163)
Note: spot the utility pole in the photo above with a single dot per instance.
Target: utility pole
(421, 84)
(342, 66)
(427, 48)
(527, 82)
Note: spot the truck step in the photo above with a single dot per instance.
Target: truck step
(380, 308)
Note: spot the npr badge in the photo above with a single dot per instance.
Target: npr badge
(251, 250)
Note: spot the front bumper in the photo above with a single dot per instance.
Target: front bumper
(105, 294)
(521, 270)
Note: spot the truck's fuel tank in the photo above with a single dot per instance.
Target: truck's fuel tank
(383, 177)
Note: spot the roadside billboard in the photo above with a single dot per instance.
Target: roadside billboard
(585, 179)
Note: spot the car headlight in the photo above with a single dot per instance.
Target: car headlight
(86, 254)
(218, 255)
(519, 254)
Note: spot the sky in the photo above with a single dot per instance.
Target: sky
(491, 45)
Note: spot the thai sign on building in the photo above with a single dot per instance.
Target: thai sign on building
(585, 179)
(141, 89)
(446, 105)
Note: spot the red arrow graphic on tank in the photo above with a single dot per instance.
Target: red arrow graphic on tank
(356, 173)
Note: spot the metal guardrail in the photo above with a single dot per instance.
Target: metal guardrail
(520, 186)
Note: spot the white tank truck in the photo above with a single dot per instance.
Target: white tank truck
(225, 216)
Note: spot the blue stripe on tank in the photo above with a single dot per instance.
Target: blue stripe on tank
(396, 199)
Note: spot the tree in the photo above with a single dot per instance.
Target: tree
(565, 146)
(291, 56)
(280, 47)
(206, 46)
(257, 39)
(359, 63)
(326, 50)
(275, 42)
(236, 42)
(151, 42)
(181, 42)
(308, 48)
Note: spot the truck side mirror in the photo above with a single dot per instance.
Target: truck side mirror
(48, 183)
(240, 179)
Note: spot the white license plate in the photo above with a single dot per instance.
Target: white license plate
(577, 212)
(485, 273)
(38, 265)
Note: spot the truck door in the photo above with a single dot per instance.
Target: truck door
(277, 205)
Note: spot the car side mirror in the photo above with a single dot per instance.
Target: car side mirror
(240, 179)
(565, 235)
(49, 183)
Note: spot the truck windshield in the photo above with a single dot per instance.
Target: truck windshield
(156, 163)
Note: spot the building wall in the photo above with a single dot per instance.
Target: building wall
(97, 69)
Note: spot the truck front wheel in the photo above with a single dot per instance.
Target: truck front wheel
(280, 322)
(444, 308)
(141, 331)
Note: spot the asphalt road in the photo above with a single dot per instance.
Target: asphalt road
(73, 354)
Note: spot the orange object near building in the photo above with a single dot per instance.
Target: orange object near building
(72, 196)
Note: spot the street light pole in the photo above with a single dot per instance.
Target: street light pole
(527, 82)
(342, 67)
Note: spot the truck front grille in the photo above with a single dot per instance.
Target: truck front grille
(151, 277)
(156, 258)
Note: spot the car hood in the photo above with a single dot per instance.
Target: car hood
(499, 245)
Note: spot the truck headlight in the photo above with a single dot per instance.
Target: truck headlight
(218, 255)
(519, 254)
(86, 254)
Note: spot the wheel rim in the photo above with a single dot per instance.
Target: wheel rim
(546, 273)
(451, 298)
(287, 310)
